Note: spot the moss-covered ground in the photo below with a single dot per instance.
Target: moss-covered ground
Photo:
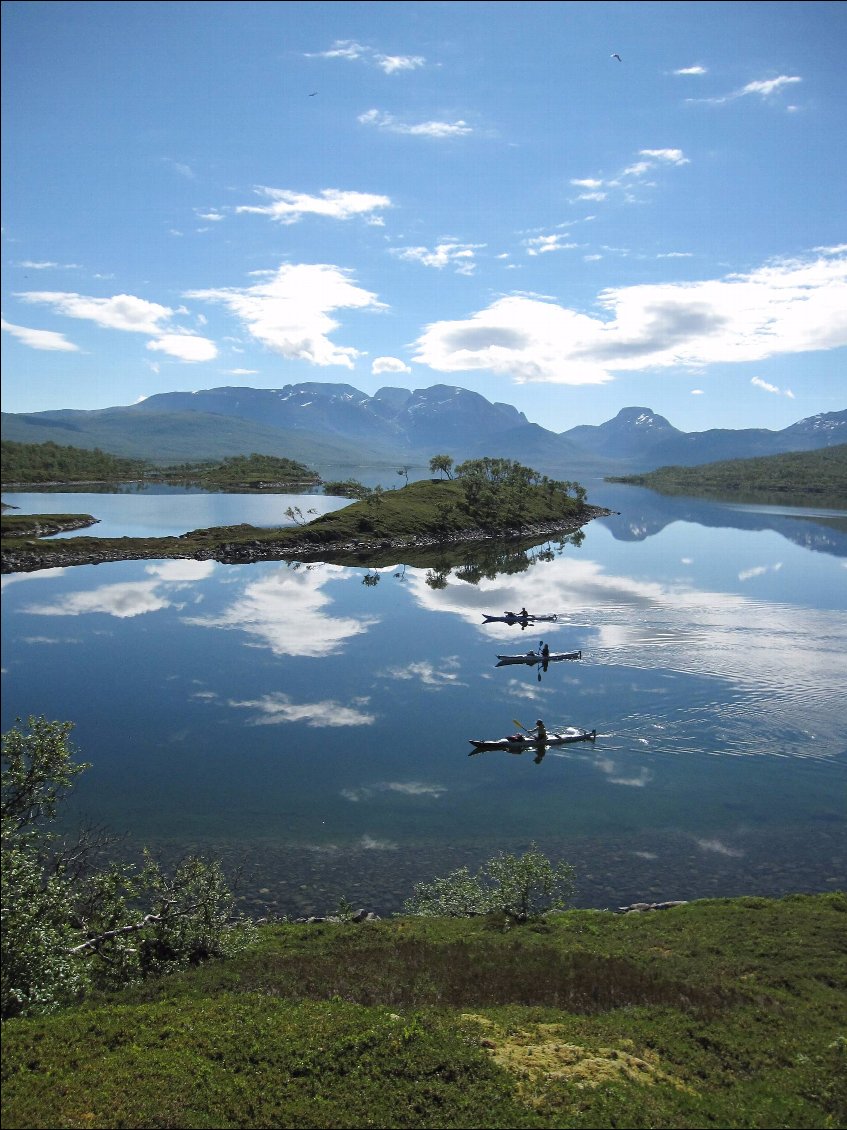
(724, 1013)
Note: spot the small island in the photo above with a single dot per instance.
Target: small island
(478, 500)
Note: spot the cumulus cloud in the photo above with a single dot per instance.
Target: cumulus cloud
(385, 121)
(129, 314)
(785, 307)
(40, 339)
(350, 50)
(289, 310)
(695, 70)
(389, 365)
(446, 254)
(289, 207)
(120, 312)
(185, 347)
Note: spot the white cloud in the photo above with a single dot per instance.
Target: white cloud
(764, 88)
(185, 347)
(542, 244)
(389, 365)
(766, 387)
(781, 308)
(695, 70)
(289, 310)
(672, 156)
(289, 207)
(121, 312)
(46, 265)
(241, 372)
(351, 50)
(40, 339)
(630, 177)
(213, 217)
(392, 64)
(697, 392)
(435, 129)
(123, 601)
(457, 255)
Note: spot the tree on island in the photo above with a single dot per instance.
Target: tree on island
(443, 464)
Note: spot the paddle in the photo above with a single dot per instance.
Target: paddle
(520, 725)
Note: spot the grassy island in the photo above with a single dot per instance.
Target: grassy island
(487, 498)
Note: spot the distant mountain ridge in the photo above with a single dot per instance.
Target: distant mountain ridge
(322, 423)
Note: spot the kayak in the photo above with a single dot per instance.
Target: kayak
(517, 742)
(515, 618)
(532, 657)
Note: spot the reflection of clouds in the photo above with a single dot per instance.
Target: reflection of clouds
(433, 677)
(789, 658)
(759, 571)
(49, 639)
(637, 781)
(181, 570)
(370, 843)
(277, 708)
(285, 611)
(719, 847)
(123, 601)
(39, 575)
(406, 788)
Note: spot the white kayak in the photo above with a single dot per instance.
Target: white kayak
(517, 742)
(532, 657)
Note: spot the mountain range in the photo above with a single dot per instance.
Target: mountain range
(336, 425)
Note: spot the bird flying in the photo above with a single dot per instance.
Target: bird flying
(615, 55)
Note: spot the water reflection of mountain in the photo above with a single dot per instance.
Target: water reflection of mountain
(640, 513)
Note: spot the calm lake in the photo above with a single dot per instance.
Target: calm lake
(309, 724)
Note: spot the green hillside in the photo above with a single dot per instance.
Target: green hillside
(803, 478)
(716, 1013)
(178, 437)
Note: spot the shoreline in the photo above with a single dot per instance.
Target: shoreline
(251, 549)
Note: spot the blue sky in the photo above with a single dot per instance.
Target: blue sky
(205, 194)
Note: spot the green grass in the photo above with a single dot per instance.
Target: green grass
(716, 1013)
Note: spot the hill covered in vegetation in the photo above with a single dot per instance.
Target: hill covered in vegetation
(55, 464)
(803, 478)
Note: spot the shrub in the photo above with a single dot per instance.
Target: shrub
(520, 887)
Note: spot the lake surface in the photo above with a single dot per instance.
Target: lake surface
(310, 723)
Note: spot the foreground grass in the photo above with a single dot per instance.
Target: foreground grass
(721, 1013)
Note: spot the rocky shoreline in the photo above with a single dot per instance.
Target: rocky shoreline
(237, 551)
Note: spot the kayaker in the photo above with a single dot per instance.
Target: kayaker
(545, 650)
(540, 733)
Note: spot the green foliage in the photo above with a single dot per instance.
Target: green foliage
(443, 464)
(810, 478)
(501, 493)
(518, 886)
(67, 926)
(51, 462)
(346, 488)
